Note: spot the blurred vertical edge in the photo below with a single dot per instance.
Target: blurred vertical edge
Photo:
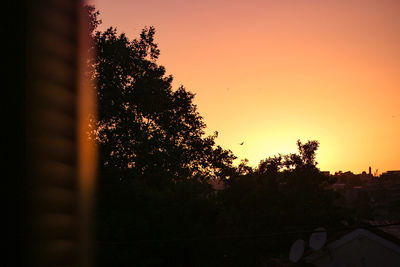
(53, 171)
(87, 156)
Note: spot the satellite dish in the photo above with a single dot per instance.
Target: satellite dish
(318, 238)
(296, 251)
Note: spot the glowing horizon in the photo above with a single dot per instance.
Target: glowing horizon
(268, 73)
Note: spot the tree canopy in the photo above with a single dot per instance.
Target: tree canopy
(146, 128)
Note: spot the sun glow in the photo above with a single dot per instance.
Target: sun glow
(268, 73)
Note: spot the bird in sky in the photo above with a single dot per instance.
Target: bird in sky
(241, 143)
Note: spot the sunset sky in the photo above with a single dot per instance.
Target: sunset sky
(267, 73)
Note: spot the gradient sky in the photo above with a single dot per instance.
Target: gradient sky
(271, 72)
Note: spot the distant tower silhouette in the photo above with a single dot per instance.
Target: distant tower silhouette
(369, 170)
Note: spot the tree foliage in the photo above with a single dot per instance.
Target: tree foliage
(284, 193)
(145, 128)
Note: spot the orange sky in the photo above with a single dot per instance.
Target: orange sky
(271, 72)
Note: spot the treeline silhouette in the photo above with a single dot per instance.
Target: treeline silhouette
(156, 204)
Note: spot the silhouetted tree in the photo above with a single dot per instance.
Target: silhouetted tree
(284, 193)
(306, 156)
(155, 159)
(145, 128)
